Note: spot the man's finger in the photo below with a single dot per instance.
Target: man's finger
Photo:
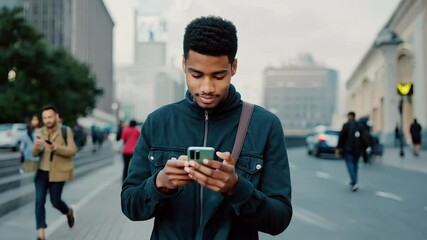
(226, 156)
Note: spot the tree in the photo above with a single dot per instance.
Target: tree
(32, 74)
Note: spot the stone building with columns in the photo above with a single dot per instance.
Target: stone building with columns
(399, 54)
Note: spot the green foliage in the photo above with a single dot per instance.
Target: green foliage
(43, 75)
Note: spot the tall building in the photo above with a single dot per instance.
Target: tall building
(150, 82)
(85, 29)
(398, 55)
(302, 95)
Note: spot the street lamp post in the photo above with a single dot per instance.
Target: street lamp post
(116, 108)
(402, 152)
(403, 89)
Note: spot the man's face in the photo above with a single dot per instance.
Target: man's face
(208, 78)
(49, 118)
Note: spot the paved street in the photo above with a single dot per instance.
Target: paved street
(391, 203)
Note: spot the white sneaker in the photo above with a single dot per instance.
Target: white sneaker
(354, 188)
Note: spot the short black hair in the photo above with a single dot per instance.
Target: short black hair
(352, 114)
(49, 107)
(132, 123)
(211, 35)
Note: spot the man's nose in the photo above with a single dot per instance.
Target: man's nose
(207, 85)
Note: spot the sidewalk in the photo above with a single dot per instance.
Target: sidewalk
(391, 157)
(101, 218)
(96, 200)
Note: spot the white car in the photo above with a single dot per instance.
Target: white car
(11, 135)
(322, 139)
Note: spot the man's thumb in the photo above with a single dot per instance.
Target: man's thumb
(226, 156)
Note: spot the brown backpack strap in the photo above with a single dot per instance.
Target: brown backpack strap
(245, 118)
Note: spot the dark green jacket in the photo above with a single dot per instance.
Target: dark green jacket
(261, 200)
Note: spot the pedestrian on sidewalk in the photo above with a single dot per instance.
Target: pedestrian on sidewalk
(130, 136)
(223, 197)
(352, 141)
(55, 168)
(31, 162)
(415, 131)
(396, 135)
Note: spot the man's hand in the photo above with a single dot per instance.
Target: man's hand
(214, 175)
(38, 142)
(337, 152)
(51, 147)
(173, 176)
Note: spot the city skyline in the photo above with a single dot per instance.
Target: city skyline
(334, 32)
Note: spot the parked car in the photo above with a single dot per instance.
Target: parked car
(322, 139)
(11, 135)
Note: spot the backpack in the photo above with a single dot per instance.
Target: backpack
(360, 137)
(64, 133)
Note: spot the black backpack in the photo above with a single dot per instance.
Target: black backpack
(64, 133)
(360, 137)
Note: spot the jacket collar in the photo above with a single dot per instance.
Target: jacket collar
(231, 104)
(52, 137)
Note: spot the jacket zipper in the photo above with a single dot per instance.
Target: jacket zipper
(205, 140)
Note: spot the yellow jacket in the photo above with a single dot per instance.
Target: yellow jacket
(61, 166)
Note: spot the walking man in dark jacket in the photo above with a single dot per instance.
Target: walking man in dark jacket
(415, 130)
(350, 146)
(223, 198)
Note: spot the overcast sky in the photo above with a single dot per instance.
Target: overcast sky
(271, 32)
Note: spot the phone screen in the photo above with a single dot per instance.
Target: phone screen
(48, 142)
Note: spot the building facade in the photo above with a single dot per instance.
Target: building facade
(85, 29)
(398, 55)
(301, 96)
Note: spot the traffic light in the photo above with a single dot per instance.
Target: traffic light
(405, 89)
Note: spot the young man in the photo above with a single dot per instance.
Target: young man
(56, 167)
(224, 198)
(349, 145)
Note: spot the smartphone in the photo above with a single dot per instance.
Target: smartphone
(199, 153)
(48, 142)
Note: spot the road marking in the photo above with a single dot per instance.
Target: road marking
(312, 218)
(323, 175)
(389, 196)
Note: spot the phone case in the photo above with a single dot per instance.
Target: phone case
(199, 153)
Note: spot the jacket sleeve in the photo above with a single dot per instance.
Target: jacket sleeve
(68, 150)
(36, 151)
(267, 207)
(140, 196)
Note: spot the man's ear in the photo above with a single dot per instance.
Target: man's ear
(183, 64)
(234, 67)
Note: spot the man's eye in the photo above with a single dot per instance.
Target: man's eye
(219, 77)
(197, 76)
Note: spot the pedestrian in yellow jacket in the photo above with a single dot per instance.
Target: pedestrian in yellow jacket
(55, 168)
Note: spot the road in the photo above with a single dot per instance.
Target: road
(390, 204)
(7, 154)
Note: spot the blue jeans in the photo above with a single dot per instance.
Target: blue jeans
(351, 161)
(55, 190)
